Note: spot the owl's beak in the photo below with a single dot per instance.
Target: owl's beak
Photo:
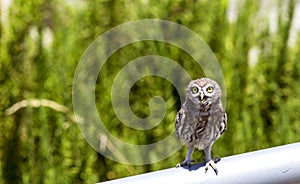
(201, 96)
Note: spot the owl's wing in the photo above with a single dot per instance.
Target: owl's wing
(179, 121)
(223, 123)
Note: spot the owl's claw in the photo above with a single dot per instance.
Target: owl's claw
(185, 163)
(211, 164)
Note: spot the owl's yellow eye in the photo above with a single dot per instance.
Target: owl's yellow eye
(209, 89)
(195, 90)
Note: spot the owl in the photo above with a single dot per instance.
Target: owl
(201, 120)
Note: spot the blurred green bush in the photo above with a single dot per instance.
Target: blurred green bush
(42, 42)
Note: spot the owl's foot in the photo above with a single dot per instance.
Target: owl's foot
(212, 164)
(185, 163)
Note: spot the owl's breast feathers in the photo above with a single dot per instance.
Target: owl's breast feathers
(202, 128)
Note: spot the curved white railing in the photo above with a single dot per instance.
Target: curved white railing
(274, 165)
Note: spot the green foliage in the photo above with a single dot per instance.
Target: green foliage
(44, 145)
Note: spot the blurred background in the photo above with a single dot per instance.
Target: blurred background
(256, 42)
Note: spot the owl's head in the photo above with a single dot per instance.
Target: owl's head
(204, 91)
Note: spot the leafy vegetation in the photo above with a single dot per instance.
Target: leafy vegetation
(42, 42)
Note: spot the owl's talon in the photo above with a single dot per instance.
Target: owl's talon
(185, 163)
(216, 160)
(211, 164)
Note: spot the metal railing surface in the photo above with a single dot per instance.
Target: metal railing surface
(273, 165)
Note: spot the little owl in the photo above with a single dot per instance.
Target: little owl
(201, 120)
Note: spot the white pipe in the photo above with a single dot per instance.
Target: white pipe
(274, 165)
